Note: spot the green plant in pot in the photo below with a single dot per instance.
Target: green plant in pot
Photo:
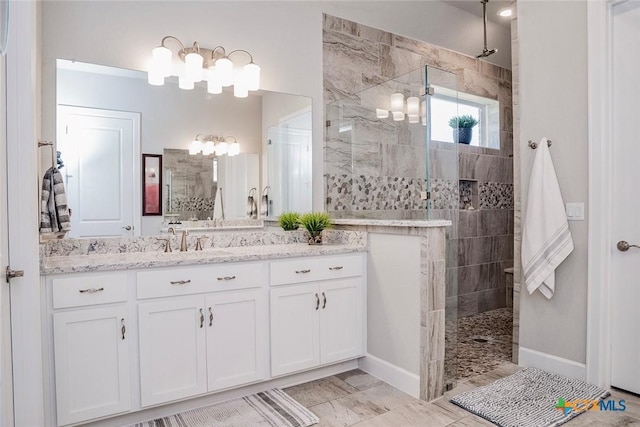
(289, 221)
(463, 128)
(314, 223)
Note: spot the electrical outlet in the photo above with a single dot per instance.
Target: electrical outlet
(423, 195)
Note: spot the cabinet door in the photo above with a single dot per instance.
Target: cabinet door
(341, 323)
(172, 349)
(294, 328)
(236, 338)
(91, 363)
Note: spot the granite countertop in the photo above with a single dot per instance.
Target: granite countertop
(393, 222)
(131, 260)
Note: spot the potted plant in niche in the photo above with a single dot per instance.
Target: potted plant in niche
(314, 223)
(289, 221)
(463, 128)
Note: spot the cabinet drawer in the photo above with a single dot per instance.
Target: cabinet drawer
(89, 290)
(195, 280)
(316, 268)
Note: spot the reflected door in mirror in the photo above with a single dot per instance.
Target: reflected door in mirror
(99, 148)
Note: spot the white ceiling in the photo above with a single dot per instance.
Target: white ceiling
(475, 7)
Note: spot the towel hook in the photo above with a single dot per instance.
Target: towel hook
(53, 153)
(534, 145)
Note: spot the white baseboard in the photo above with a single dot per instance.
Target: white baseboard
(398, 377)
(551, 363)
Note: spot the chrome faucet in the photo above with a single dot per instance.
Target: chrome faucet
(183, 243)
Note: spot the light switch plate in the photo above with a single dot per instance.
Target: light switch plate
(575, 211)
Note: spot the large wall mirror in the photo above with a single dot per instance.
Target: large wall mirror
(108, 118)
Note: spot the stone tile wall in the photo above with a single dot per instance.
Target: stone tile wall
(376, 168)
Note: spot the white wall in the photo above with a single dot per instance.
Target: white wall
(285, 38)
(393, 300)
(553, 103)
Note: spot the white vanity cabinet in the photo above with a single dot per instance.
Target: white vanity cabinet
(195, 344)
(317, 314)
(91, 346)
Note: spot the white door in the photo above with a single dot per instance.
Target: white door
(6, 389)
(100, 149)
(341, 335)
(625, 287)
(294, 328)
(172, 349)
(91, 363)
(236, 338)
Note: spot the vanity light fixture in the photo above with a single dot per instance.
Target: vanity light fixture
(218, 145)
(213, 65)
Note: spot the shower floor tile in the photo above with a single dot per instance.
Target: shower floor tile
(484, 342)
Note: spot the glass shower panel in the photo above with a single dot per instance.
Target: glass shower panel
(375, 152)
(444, 191)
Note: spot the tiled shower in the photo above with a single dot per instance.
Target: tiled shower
(380, 168)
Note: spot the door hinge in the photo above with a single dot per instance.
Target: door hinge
(11, 274)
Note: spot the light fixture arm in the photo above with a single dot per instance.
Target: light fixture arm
(241, 50)
(172, 38)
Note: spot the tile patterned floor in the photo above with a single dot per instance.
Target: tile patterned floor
(355, 398)
(484, 342)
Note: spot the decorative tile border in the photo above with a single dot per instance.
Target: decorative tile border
(444, 194)
(495, 195)
(189, 204)
(372, 193)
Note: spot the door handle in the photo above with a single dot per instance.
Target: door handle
(201, 318)
(317, 302)
(128, 228)
(324, 303)
(210, 317)
(624, 246)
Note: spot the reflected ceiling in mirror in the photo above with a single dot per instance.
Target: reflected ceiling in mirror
(159, 118)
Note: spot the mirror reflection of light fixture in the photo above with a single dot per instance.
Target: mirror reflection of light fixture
(415, 110)
(218, 145)
(213, 65)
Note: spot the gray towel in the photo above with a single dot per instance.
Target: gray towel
(54, 214)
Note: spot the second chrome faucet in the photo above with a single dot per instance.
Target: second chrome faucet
(183, 242)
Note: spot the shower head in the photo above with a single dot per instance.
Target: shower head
(485, 51)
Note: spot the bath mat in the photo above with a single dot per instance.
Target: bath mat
(531, 397)
(273, 408)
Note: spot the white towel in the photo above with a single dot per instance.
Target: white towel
(218, 207)
(546, 238)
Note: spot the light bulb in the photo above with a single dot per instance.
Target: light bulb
(239, 87)
(397, 103)
(208, 148)
(162, 60)
(382, 114)
(251, 76)
(221, 148)
(193, 63)
(195, 147)
(225, 71)
(234, 149)
(413, 106)
(213, 82)
(155, 77)
(398, 115)
(185, 83)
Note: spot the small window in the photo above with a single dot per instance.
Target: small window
(445, 105)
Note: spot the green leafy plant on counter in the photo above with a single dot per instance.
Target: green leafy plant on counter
(289, 221)
(314, 223)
